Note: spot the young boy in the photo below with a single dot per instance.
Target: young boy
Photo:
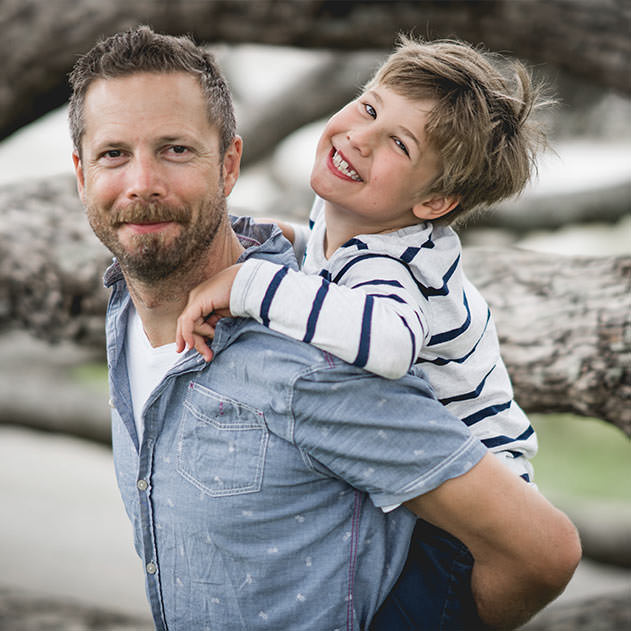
(437, 133)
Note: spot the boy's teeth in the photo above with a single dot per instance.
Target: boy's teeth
(343, 167)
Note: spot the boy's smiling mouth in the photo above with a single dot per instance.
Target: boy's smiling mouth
(342, 167)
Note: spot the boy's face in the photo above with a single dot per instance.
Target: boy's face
(373, 162)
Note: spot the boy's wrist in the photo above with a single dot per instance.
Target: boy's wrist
(242, 286)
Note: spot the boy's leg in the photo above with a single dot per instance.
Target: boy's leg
(433, 592)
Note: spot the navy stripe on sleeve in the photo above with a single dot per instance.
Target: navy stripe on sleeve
(441, 361)
(492, 410)
(315, 311)
(269, 294)
(474, 394)
(372, 255)
(443, 290)
(446, 336)
(496, 441)
(379, 281)
(364, 340)
(412, 339)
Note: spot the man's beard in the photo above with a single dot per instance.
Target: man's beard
(154, 257)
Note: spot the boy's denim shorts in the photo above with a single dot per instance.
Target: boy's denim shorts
(433, 592)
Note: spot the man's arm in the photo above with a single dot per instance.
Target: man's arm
(525, 550)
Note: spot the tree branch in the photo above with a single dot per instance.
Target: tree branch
(563, 322)
(41, 40)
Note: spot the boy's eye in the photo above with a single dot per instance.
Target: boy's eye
(370, 110)
(401, 146)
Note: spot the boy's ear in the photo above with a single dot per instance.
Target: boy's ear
(435, 206)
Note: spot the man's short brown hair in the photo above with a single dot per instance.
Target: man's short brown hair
(142, 50)
(481, 125)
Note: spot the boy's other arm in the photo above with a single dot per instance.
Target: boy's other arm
(296, 234)
(525, 550)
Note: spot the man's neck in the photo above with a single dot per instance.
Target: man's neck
(159, 304)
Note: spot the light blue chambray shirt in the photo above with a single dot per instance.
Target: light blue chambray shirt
(255, 493)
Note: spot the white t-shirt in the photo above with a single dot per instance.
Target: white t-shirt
(146, 365)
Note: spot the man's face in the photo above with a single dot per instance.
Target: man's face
(150, 174)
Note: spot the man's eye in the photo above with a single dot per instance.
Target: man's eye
(113, 153)
(401, 146)
(179, 149)
(370, 110)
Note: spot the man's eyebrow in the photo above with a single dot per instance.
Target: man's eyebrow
(175, 139)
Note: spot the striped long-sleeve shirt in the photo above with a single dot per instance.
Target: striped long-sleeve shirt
(391, 303)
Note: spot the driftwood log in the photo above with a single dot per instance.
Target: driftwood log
(41, 40)
(564, 322)
(23, 612)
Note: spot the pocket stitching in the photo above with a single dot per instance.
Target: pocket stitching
(199, 416)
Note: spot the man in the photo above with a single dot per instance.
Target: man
(255, 483)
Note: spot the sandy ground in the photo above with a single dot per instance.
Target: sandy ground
(63, 531)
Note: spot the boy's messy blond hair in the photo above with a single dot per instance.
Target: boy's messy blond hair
(481, 125)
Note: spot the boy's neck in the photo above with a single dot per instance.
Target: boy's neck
(341, 226)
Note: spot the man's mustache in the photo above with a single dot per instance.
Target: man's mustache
(153, 212)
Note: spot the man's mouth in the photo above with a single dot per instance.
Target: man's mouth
(343, 167)
(146, 228)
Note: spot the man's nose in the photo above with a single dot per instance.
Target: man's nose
(145, 179)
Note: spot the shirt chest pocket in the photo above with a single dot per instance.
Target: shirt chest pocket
(221, 444)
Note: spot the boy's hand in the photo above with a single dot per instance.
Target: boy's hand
(207, 304)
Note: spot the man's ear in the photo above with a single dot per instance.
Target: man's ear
(78, 169)
(435, 206)
(232, 164)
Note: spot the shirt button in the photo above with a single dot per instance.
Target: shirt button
(151, 568)
(110, 403)
(142, 485)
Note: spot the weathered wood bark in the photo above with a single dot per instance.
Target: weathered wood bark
(563, 322)
(305, 101)
(20, 611)
(564, 325)
(42, 39)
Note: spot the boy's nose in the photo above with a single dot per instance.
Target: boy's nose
(361, 140)
(145, 180)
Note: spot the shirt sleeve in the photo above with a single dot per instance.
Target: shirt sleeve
(372, 319)
(301, 236)
(390, 439)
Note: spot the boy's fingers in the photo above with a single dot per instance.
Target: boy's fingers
(204, 329)
(202, 348)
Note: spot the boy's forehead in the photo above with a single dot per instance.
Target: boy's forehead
(411, 113)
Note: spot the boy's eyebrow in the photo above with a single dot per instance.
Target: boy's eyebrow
(403, 128)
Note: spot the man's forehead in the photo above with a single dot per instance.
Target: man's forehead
(168, 104)
(170, 83)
